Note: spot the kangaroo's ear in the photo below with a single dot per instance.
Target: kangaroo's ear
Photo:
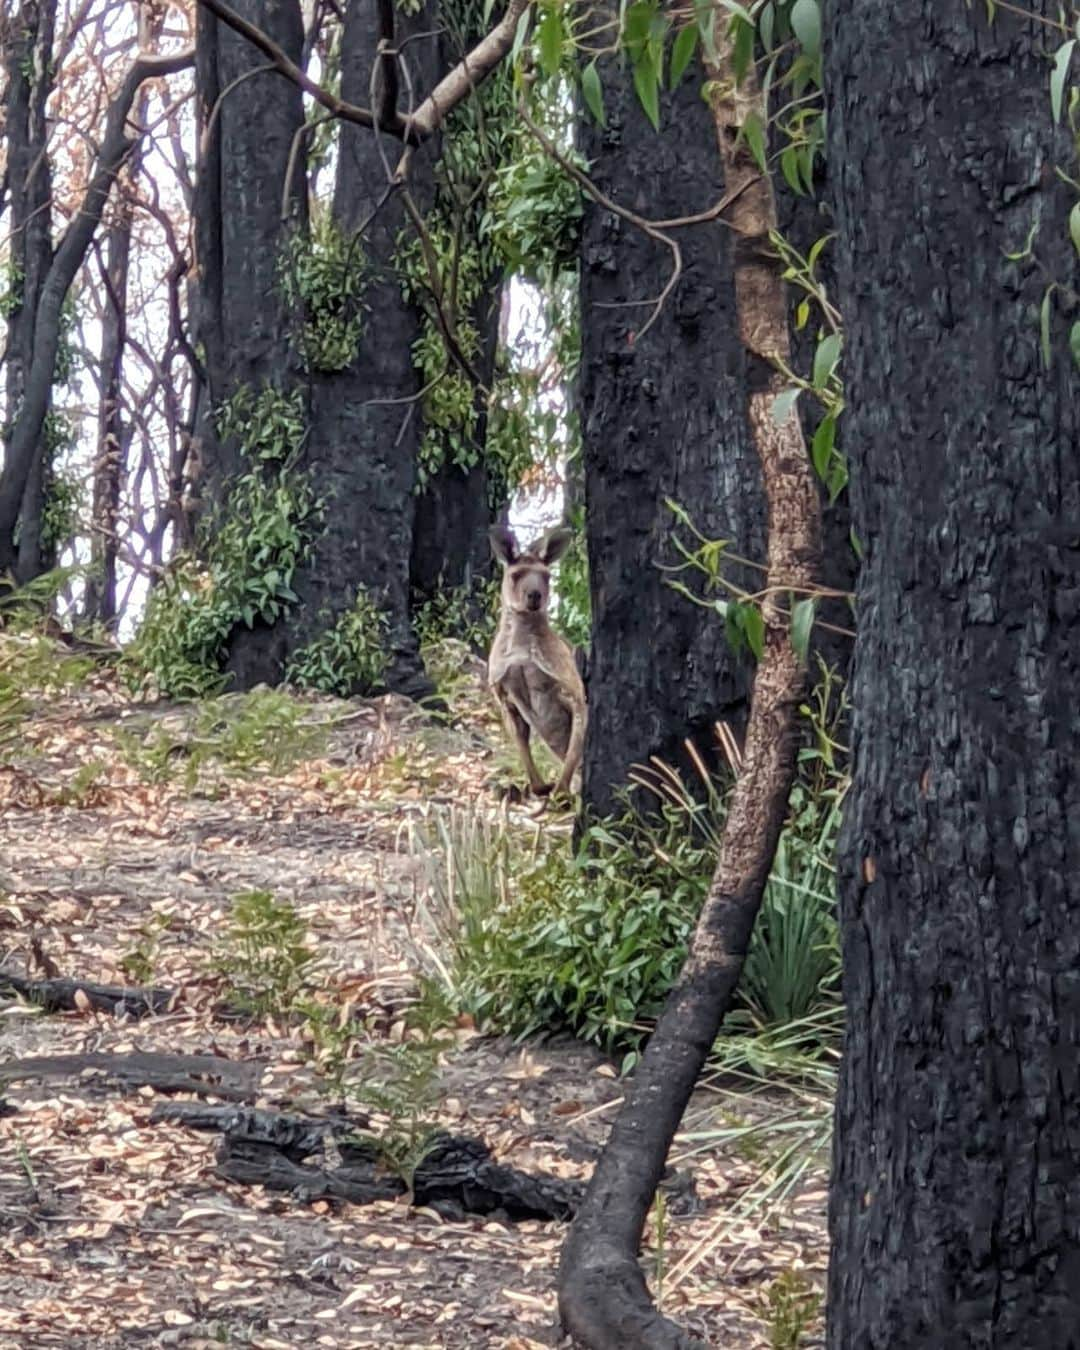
(503, 544)
(553, 545)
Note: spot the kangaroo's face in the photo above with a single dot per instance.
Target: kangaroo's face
(526, 586)
(526, 583)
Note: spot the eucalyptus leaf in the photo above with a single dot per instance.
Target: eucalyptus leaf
(825, 359)
(753, 625)
(1074, 342)
(806, 25)
(1074, 226)
(754, 133)
(592, 93)
(783, 404)
(802, 623)
(1044, 326)
(682, 53)
(1057, 76)
(648, 90)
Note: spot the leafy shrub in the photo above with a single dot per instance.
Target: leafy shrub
(591, 940)
(263, 954)
(252, 550)
(347, 658)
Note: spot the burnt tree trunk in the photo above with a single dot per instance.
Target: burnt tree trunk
(603, 1297)
(955, 1210)
(663, 417)
(248, 117)
(367, 419)
(113, 437)
(28, 58)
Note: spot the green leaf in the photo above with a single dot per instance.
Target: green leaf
(821, 448)
(1044, 326)
(754, 133)
(1074, 226)
(767, 25)
(789, 167)
(753, 625)
(806, 25)
(825, 359)
(856, 544)
(703, 13)
(742, 49)
(520, 33)
(739, 10)
(802, 623)
(783, 404)
(1074, 343)
(648, 90)
(592, 93)
(682, 53)
(802, 315)
(549, 40)
(1057, 76)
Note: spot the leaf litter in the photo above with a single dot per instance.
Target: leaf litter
(116, 1232)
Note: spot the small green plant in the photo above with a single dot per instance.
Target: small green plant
(269, 425)
(399, 1084)
(262, 731)
(573, 607)
(263, 954)
(793, 1305)
(349, 656)
(140, 960)
(80, 788)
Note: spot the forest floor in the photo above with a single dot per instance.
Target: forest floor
(115, 1231)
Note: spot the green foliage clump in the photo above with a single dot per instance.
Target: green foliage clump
(590, 940)
(268, 425)
(468, 613)
(263, 954)
(323, 276)
(261, 731)
(347, 658)
(793, 1306)
(573, 609)
(11, 293)
(534, 213)
(251, 550)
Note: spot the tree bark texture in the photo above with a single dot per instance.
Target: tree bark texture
(368, 420)
(663, 417)
(955, 1210)
(603, 1297)
(113, 436)
(28, 58)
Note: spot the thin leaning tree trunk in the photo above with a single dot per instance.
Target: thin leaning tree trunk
(603, 1297)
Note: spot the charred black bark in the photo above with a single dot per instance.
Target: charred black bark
(248, 118)
(955, 1210)
(665, 417)
(367, 419)
(28, 58)
(113, 438)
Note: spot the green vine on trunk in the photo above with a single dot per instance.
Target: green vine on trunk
(249, 552)
(349, 656)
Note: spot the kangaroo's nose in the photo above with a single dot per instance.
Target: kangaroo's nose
(533, 599)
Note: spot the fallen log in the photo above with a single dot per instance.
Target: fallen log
(202, 1075)
(456, 1176)
(63, 995)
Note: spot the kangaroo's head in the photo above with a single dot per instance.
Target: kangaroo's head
(526, 583)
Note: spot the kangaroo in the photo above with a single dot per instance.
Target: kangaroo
(531, 669)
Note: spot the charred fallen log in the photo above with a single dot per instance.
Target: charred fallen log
(63, 995)
(456, 1176)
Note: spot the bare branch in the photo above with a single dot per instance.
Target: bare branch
(420, 126)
